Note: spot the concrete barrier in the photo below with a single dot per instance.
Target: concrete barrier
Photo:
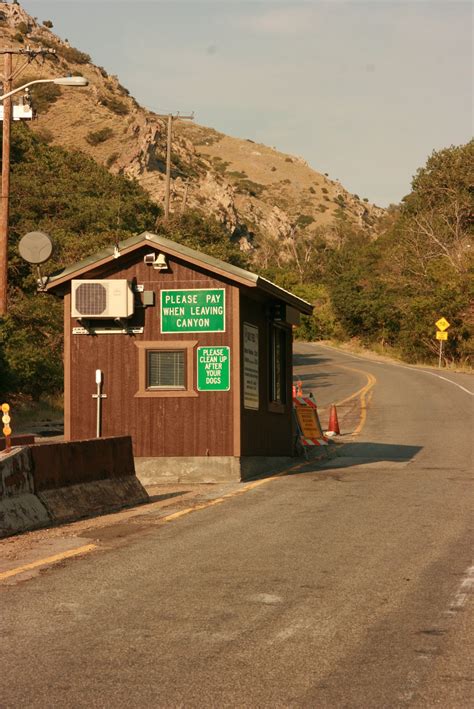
(61, 482)
(23, 439)
(20, 508)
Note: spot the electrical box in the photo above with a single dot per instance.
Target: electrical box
(106, 298)
(20, 112)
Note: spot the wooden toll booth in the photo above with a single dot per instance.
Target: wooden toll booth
(189, 355)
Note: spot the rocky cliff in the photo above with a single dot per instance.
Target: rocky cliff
(263, 196)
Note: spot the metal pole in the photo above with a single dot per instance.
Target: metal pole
(5, 200)
(168, 168)
(99, 404)
(440, 353)
(99, 396)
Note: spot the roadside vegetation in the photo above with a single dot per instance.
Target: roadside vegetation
(386, 291)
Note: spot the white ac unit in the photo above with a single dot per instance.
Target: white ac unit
(106, 298)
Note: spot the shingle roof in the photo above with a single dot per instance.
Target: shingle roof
(233, 273)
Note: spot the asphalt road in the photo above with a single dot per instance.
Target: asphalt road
(344, 584)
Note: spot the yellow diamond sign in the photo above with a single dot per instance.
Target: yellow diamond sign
(442, 324)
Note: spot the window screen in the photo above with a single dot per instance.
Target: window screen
(165, 370)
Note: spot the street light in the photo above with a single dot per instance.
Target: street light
(61, 81)
(4, 211)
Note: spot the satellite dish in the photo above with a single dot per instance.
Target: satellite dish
(36, 247)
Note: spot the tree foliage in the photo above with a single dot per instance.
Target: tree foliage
(390, 290)
(83, 208)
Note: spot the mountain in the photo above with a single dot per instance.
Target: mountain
(265, 198)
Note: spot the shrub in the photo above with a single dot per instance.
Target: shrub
(23, 28)
(312, 190)
(103, 72)
(111, 159)
(304, 220)
(219, 164)
(239, 175)
(45, 135)
(288, 160)
(323, 208)
(99, 136)
(45, 42)
(356, 196)
(340, 201)
(115, 105)
(48, 24)
(254, 189)
(366, 199)
(19, 37)
(71, 54)
(273, 169)
(324, 190)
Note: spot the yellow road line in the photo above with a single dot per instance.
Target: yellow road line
(362, 393)
(47, 561)
(364, 402)
(362, 390)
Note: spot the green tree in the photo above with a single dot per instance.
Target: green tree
(203, 233)
(83, 208)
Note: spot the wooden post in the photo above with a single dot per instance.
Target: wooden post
(168, 168)
(5, 200)
(170, 118)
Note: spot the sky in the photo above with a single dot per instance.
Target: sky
(364, 91)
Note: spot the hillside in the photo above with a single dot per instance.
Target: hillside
(262, 196)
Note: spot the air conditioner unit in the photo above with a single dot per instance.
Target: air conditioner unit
(106, 298)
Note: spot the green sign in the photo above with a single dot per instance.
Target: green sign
(213, 368)
(198, 310)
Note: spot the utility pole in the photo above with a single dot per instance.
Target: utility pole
(170, 118)
(7, 78)
(5, 201)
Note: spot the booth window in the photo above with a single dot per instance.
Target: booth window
(165, 369)
(278, 365)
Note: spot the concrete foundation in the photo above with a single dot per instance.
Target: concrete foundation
(207, 469)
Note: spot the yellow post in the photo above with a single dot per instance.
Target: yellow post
(7, 431)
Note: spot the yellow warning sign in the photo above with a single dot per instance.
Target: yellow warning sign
(442, 324)
(308, 422)
(441, 335)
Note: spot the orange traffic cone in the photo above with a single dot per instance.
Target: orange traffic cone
(333, 427)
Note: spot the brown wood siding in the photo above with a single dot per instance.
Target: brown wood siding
(181, 426)
(265, 432)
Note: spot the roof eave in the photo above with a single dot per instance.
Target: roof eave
(301, 305)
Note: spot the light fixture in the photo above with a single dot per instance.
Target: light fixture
(158, 261)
